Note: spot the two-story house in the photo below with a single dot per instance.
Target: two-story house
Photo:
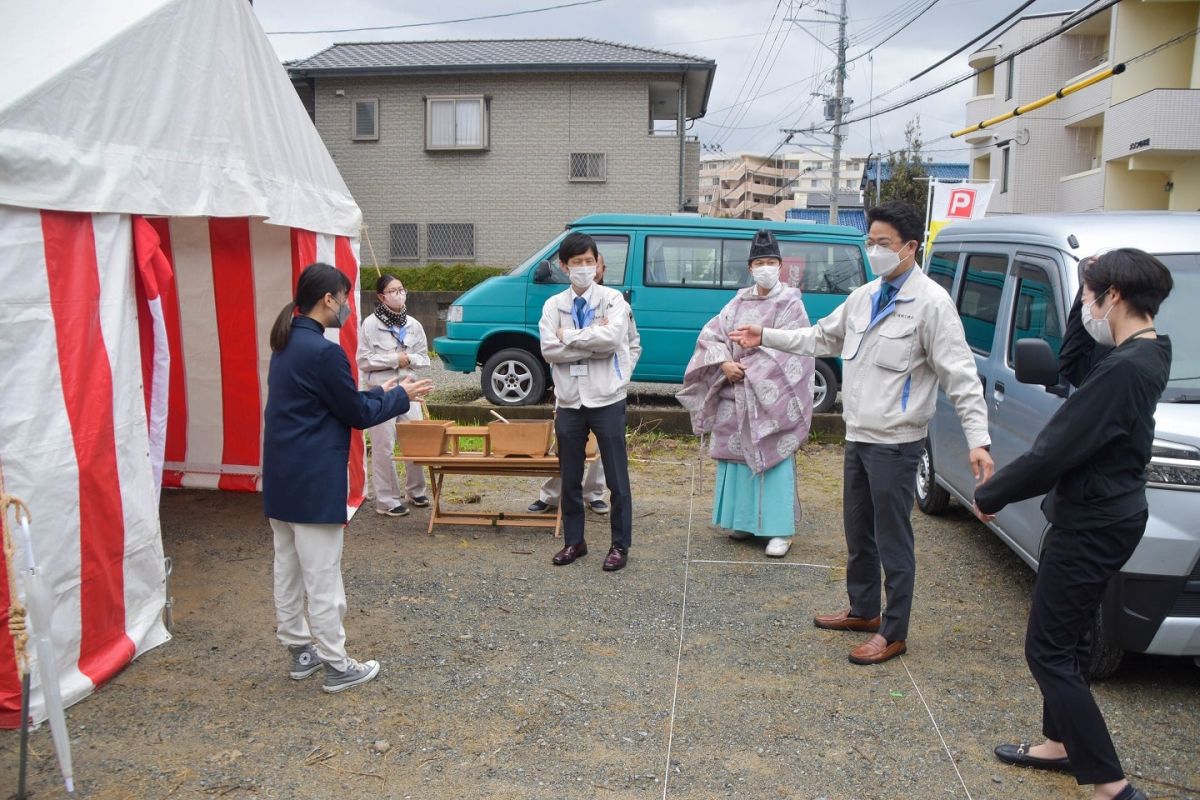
(1128, 142)
(483, 150)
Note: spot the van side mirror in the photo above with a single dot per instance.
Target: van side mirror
(1037, 364)
(545, 272)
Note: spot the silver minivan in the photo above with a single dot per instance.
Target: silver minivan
(1014, 278)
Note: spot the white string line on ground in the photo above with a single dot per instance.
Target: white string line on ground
(682, 622)
(928, 711)
(764, 563)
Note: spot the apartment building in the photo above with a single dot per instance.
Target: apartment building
(751, 186)
(483, 150)
(1129, 142)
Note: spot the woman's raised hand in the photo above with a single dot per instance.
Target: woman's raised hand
(416, 389)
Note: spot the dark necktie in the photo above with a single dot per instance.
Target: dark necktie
(580, 305)
(886, 292)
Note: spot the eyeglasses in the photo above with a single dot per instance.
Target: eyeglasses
(394, 292)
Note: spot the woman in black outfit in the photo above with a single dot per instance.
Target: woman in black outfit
(1090, 462)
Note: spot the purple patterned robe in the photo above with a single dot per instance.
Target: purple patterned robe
(762, 420)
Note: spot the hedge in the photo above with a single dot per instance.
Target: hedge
(433, 277)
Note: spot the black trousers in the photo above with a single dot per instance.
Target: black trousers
(571, 426)
(879, 482)
(1072, 575)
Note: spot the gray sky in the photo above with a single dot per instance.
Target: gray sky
(732, 33)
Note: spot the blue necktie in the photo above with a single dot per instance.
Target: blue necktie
(580, 306)
(886, 293)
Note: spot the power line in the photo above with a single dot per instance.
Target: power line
(931, 68)
(440, 22)
(764, 73)
(754, 61)
(1059, 31)
(911, 20)
(755, 83)
(885, 22)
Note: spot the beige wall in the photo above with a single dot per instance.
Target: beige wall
(1126, 189)
(1186, 194)
(1143, 25)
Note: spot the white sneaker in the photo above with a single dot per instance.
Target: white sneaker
(778, 547)
(740, 536)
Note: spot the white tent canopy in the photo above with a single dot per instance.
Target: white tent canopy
(130, 106)
(161, 187)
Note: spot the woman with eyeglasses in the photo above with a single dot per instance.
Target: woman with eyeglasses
(312, 404)
(391, 344)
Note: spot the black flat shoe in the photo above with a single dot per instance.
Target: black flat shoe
(1018, 755)
(1130, 792)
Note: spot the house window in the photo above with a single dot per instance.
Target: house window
(588, 167)
(450, 239)
(365, 122)
(1004, 163)
(456, 123)
(1010, 79)
(404, 241)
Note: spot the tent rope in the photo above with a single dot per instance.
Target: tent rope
(374, 261)
(16, 609)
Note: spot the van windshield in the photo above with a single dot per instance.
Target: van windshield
(1175, 319)
(528, 263)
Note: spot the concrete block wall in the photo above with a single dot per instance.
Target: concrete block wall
(516, 193)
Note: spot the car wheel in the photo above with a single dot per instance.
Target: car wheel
(931, 498)
(1106, 655)
(825, 388)
(514, 377)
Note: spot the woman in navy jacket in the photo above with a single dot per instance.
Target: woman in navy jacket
(312, 403)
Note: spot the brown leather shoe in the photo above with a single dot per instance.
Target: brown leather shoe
(877, 650)
(569, 554)
(843, 621)
(615, 559)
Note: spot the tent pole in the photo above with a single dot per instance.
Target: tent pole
(24, 757)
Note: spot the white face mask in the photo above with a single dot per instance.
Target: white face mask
(582, 277)
(396, 302)
(765, 276)
(883, 261)
(1099, 328)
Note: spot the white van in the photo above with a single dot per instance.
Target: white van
(1014, 278)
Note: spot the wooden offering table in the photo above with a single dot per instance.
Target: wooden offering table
(455, 462)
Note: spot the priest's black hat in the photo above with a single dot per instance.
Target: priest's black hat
(764, 246)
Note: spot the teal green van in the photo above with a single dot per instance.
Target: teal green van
(676, 272)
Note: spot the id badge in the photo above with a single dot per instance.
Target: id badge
(578, 370)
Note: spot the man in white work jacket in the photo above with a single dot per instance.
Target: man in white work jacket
(899, 337)
(585, 339)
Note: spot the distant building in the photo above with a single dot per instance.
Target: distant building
(483, 150)
(1129, 142)
(751, 186)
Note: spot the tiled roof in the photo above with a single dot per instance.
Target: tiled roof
(942, 170)
(466, 55)
(853, 217)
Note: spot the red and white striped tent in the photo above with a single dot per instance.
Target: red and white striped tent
(161, 186)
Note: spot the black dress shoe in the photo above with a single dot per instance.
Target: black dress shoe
(1018, 755)
(1130, 792)
(569, 554)
(615, 559)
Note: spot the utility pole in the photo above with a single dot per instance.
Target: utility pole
(836, 106)
(838, 115)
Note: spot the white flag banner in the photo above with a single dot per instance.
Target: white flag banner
(956, 202)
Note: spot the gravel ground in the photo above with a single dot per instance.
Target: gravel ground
(693, 673)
